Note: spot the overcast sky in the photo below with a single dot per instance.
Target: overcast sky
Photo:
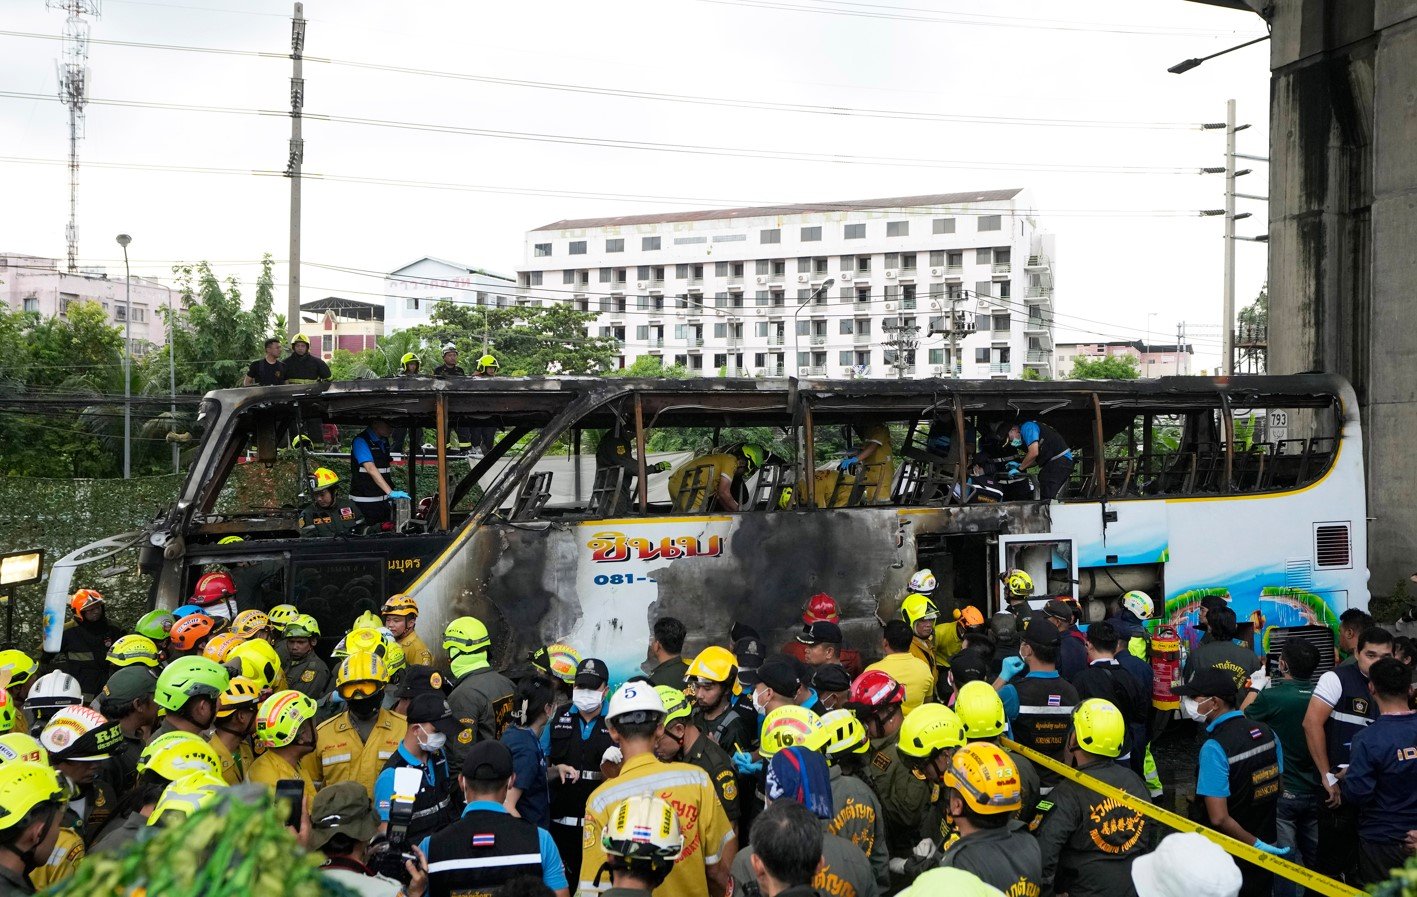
(1132, 253)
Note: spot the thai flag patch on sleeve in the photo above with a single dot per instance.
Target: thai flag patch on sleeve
(1055, 700)
(1256, 734)
(483, 840)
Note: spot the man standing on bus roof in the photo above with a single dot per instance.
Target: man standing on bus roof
(303, 367)
(371, 462)
(267, 371)
(1045, 447)
(615, 450)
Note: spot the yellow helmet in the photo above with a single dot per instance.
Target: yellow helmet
(754, 455)
(282, 614)
(186, 796)
(676, 704)
(786, 727)
(928, 731)
(399, 605)
(409, 357)
(249, 622)
(303, 626)
(26, 785)
(841, 733)
(487, 363)
(300, 338)
(220, 646)
(1019, 584)
(19, 746)
(174, 755)
(242, 692)
(368, 620)
(1099, 727)
(980, 710)
(394, 658)
(360, 675)
(465, 635)
(259, 661)
(323, 478)
(366, 641)
(19, 665)
(133, 649)
(917, 607)
(985, 778)
(564, 660)
(281, 717)
(716, 664)
(643, 831)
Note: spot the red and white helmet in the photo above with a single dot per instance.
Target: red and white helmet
(821, 607)
(874, 689)
(213, 588)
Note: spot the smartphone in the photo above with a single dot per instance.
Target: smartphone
(292, 790)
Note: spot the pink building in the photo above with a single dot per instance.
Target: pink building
(36, 284)
(1153, 359)
(337, 323)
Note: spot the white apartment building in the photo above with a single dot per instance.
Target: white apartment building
(411, 292)
(834, 289)
(37, 284)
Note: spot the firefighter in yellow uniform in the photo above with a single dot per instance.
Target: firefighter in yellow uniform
(231, 736)
(721, 487)
(285, 727)
(354, 746)
(401, 619)
(871, 460)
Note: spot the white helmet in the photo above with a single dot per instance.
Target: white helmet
(449, 347)
(80, 734)
(923, 581)
(54, 689)
(643, 830)
(1138, 603)
(635, 697)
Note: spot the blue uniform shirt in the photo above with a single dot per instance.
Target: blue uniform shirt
(435, 778)
(360, 446)
(529, 768)
(553, 874)
(1213, 776)
(1029, 433)
(1382, 778)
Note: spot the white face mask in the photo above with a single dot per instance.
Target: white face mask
(1191, 707)
(586, 699)
(432, 742)
(759, 705)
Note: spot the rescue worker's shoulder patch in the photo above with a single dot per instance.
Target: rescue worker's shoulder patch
(469, 729)
(307, 676)
(1039, 813)
(728, 784)
(881, 761)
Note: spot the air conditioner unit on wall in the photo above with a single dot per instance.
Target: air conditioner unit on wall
(762, 279)
(890, 274)
(801, 278)
(937, 272)
(641, 284)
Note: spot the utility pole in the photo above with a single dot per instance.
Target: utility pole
(292, 169)
(74, 93)
(1227, 313)
(124, 240)
(903, 339)
(1180, 335)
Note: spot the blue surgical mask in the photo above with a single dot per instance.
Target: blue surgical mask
(1016, 443)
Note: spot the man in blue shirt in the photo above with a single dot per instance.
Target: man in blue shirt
(1381, 780)
(430, 724)
(371, 465)
(1044, 446)
(488, 846)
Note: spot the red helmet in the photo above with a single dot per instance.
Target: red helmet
(213, 588)
(873, 689)
(188, 631)
(821, 607)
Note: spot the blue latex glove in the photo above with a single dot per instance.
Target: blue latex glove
(1013, 468)
(1012, 667)
(1270, 848)
(846, 464)
(398, 493)
(745, 765)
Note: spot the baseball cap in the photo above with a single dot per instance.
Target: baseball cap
(748, 652)
(421, 680)
(592, 673)
(831, 677)
(1042, 631)
(343, 808)
(1059, 610)
(129, 684)
(969, 665)
(1209, 683)
(742, 631)
(432, 707)
(487, 761)
(1215, 602)
(822, 632)
(1186, 864)
(779, 674)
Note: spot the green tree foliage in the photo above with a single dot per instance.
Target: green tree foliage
(651, 366)
(1256, 314)
(1110, 367)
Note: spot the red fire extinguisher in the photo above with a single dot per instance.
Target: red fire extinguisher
(1165, 668)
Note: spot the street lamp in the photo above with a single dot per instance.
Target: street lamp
(826, 285)
(1186, 65)
(124, 240)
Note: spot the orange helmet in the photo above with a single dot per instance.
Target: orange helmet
(188, 631)
(220, 646)
(970, 616)
(213, 588)
(84, 599)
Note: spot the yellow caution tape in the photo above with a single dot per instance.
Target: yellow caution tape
(1319, 884)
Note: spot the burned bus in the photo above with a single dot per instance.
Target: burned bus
(1251, 487)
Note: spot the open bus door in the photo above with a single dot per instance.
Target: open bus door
(1049, 559)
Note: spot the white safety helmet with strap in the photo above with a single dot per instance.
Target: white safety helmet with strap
(636, 702)
(923, 581)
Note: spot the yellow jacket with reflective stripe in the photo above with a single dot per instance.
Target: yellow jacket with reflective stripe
(62, 863)
(343, 757)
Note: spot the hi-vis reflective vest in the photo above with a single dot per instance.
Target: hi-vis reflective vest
(344, 757)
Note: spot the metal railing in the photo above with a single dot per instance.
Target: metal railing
(1000, 367)
(1038, 357)
(817, 340)
(1003, 267)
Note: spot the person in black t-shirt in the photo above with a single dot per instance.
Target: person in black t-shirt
(267, 371)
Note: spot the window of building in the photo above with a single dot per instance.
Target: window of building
(811, 234)
(770, 236)
(621, 276)
(937, 258)
(534, 279)
(955, 259)
(541, 250)
(764, 266)
(892, 292)
(720, 360)
(942, 226)
(863, 264)
(1002, 256)
(819, 265)
(983, 256)
(615, 245)
(981, 356)
(1003, 289)
(984, 289)
(720, 331)
(410, 303)
(854, 232)
(688, 241)
(863, 326)
(649, 244)
(568, 276)
(120, 313)
(863, 294)
(907, 261)
(578, 247)
(779, 267)
(760, 359)
(897, 228)
(937, 356)
(846, 326)
(605, 275)
(845, 358)
(892, 260)
(761, 296)
(720, 269)
(1000, 323)
(642, 272)
(848, 294)
(990, 222)
(642, 331)
(32, 303)
(804, 265)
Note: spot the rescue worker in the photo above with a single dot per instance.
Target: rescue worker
(249, 624)
(869, 463)
(352, 746)
(30, 827)
(822, 608)
(920, 614)
(529, 795)
(903, 664)
(80, 741)
(189, 689)
(269, 370)
(400, 614)
(303, 367)
(981, 712)
(1223, 652)
(1007, 624)
(1238, 777)
(1042, 446)
(487, 366)
(857, 814)
(1040, 704)
(666, 647)
(1382, 775)
(285, 727)
(481, 697)
(1088, 841)
(488, 846)
(798, 776)
(1105, 678)
(370, 463)
(424, 747)
(328, 514)
(280, 616)
(20, 668)
(1072, 651)
(305, 671)
(928, 738)
(635, 716)
(87, 638)
(682, 741)
(127, 699)
(579, 739)
(132, 650)
(49, 694)
(1341, 707)
(235, 721)
(876, 699)
(1134, 610)
(641, 843)
(715, 481)
(615, 450)
(713, 682)
(982, 795)
(484, 438)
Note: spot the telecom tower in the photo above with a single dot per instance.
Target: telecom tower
(73, 68)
